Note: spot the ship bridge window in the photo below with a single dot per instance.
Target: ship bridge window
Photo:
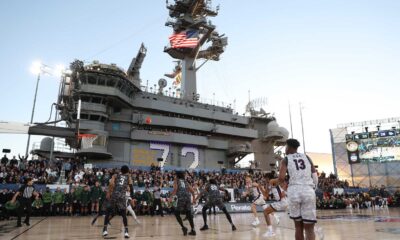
(115, 126)
(92, 79)
(96, 100)
(85, 116)
(94, 117)
(101, 81)
(119, 85)
(117, 110)
(83, 78)
(111, 82)
(85, 99)
(103, 119)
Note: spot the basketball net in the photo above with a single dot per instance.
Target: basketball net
(87, 140)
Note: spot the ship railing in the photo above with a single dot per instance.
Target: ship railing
(169, 92)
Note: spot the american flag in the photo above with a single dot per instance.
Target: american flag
(184, 39)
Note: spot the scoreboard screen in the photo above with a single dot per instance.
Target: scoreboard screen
(378, 146)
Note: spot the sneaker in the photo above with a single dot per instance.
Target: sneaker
(192, 233)
(269, 234)
(277, 219)
(126, 235)
(233, 228)
(319, 231)
(255, 223)
(27, 223)
(184, 230)
(105, 233)
(205, 227)
(94, 221)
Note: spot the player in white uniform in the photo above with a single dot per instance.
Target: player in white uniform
(302, 180)
(281, 204)
(258, 198)
(129, 203)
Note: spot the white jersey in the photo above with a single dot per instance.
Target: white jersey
(299, 169)
(276, 193)
(254, 191)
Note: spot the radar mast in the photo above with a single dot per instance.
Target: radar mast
(192, 31)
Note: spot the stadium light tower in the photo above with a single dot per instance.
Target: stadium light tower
(38, 68)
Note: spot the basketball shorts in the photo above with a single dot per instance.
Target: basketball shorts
(259, 201)
(302, 203)
(215, 202)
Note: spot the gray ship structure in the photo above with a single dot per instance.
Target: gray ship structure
(111, 117)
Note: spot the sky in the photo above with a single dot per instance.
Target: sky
(338, 58)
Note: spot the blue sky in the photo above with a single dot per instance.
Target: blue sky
(340, 58)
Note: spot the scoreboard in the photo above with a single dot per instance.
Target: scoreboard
(374, 146)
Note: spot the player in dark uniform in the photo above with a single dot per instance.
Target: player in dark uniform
(182, 190)
(106, 204)
(116, 194)
(214, 198)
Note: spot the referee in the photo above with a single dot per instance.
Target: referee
(24, 196)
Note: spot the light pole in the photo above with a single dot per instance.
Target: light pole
(36, 68)
(302, 127)
(290, 118)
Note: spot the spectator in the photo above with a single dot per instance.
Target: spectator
(4, 160)
(13, 162)
(68, 202)
(67, 167)
(37, 206)
(47, 202)
(58, 202)
(95, 197)
(85, 200)
(147, 201)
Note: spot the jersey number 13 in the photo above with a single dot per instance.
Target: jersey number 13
(299, 164)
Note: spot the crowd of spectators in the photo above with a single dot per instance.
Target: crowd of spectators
(84, 196)
(375, 197)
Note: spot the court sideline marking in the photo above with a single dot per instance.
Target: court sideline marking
(29, 228)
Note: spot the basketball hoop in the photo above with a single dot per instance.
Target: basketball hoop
(87, 140)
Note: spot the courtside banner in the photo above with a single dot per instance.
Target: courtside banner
(233, 208)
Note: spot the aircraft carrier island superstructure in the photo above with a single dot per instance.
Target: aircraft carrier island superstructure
(138, 125)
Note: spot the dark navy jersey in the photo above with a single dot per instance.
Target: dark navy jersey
(121, 184)
(183, 191)
(213, 191)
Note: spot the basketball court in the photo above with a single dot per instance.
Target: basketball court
(338, 224)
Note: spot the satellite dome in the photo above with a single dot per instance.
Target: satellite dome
(275, 132)
(46, 143)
